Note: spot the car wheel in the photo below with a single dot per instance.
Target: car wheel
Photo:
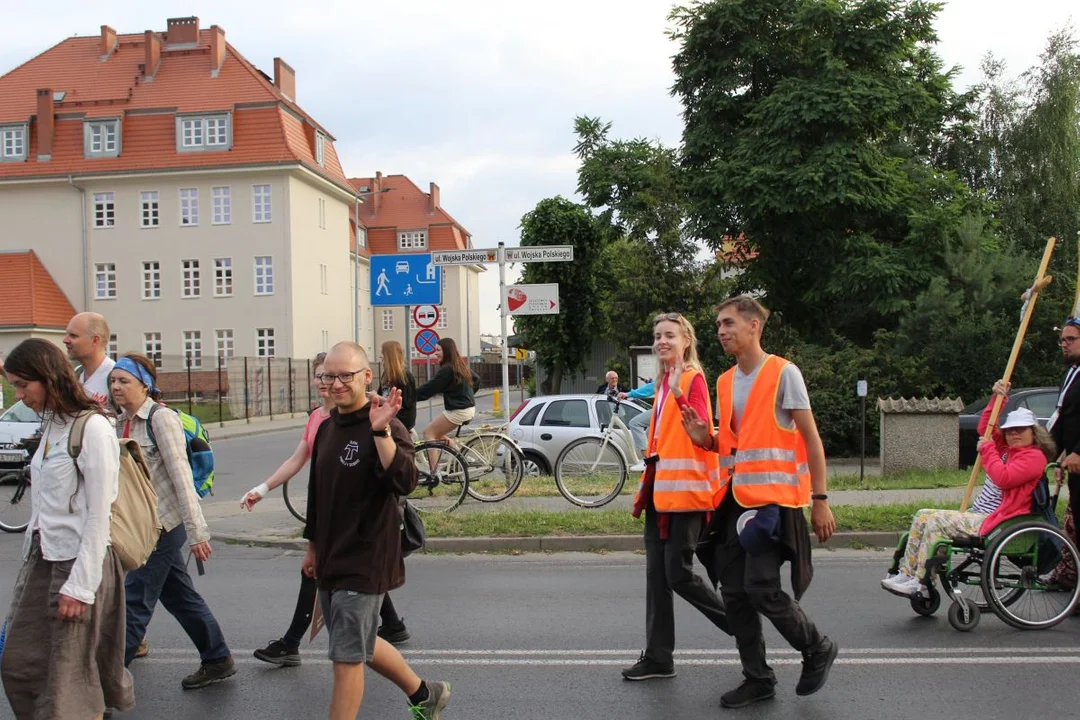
(535, 466)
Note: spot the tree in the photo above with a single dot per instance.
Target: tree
(562, 342)
(809, 133)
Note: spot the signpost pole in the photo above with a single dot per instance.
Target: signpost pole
(408, 339)
(505, 342)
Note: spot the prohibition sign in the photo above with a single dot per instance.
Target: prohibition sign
(426, 341)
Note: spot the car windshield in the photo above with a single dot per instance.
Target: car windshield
(976, 407)
(20, 413)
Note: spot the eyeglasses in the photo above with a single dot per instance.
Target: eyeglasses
(345, 377)
(672, 316)
(1069, 340)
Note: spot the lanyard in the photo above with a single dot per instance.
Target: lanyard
(1068, 383)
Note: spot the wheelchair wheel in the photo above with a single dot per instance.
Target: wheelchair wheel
(1013, 581)
(964, 615)
(926, 605)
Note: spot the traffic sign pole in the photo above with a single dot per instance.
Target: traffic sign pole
(505, 339)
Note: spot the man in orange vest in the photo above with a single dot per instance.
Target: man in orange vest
(772, 464)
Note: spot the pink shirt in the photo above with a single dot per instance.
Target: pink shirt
(316, 419)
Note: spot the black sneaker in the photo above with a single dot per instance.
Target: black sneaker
(815, 667)
(646, 669)
(750, 692)
(209, 673)
(278, 653)
(394, 634)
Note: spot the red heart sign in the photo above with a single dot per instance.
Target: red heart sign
(515, 298)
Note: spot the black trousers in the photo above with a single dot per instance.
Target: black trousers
(750, 587)
(669, 568)
(1074, 500)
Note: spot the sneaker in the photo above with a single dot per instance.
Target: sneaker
(638, 467)
(646, 669)
(437, 700)
(143, 650)
(394, 634)
(209, 673)
(902, 585)
(750, 692)
(816, 666)
(278, 653)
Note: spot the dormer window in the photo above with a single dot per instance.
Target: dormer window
(320, 154)
(12, 143)
(102, 138)
(203, 132)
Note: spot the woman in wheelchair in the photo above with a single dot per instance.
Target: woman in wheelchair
(1015, 459)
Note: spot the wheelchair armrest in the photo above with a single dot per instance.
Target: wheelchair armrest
(964, 540)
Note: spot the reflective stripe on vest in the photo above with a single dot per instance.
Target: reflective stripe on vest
(687, 478)
(767, 462)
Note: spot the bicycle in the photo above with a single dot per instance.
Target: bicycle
(590, 472)
(496, 463)
(15, 492)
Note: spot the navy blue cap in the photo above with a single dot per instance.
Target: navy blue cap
(759, 529)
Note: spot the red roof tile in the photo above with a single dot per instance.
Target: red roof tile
(267, 126)
(29, 297)
(404, 207)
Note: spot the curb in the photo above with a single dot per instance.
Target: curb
(556, 543)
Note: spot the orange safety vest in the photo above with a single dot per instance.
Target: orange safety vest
(687, 477)
(764, 463)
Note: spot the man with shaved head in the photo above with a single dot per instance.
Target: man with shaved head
(361, 461)
(86, 340)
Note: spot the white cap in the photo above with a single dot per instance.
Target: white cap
(1019, 418)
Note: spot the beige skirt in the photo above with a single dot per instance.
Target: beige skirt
(65, 670)
(460, 417)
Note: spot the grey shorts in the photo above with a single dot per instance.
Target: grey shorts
(352, 619)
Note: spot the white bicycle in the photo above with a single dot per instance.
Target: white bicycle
(590, 472)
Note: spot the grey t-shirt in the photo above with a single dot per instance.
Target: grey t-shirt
(792, 395)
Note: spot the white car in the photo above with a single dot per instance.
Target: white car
(17, 423)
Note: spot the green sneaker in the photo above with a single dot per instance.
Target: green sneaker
(438, 698)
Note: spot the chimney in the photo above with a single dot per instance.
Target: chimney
(46, 109)
(285, 79)
(153, 54)
(433, 199)
(217, 49)
(182, 30)
(376, 188)
(108, 41)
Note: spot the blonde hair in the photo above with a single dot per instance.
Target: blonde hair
(393, 371)
(1044, 442)
(690, 356)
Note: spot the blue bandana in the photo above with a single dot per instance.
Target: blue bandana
(130, 366)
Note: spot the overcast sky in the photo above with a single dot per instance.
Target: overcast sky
(479, 96)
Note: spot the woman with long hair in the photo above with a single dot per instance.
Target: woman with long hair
(395, 374)
(165, 577)
(678, 490)
(64, 651)
(457, 383)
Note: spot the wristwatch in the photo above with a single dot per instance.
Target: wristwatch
(819, 496)
(385, 432)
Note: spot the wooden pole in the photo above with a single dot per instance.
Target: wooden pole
(1041, 281)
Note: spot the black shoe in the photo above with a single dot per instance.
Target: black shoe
(750, 692)
(394, 634)
(209, 673)
(278, 653)
(646, 669)
(815, 667)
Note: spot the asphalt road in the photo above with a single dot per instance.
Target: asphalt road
(544, 636)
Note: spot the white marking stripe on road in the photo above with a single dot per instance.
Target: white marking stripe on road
(910, 651)
(683, 662)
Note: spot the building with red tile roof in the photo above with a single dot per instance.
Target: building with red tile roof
(31, 303)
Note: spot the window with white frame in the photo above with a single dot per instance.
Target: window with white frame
(325, 340)
(191, 279)
(152, 347)
(205, 132)
(189, 206)
(224, 340)
(264, 342)
(322, 279)
(193, 348)
(101, 138)
(322, 213)
(104, 210)
(105, 281)
(223, 278)
(260, 204)
(387, 319)
(151, 280)
(264, 275)
(222, 203)
(12, 142)
(151, 210)
(444, 322)
(320, 148)
(362, 240)
(113, 349)
(412, 240)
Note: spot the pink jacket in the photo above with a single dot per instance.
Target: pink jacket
(1017, 475)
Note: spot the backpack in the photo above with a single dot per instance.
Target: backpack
(199, 453)
(133, 522)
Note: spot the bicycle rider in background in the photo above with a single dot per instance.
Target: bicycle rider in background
(639, 424)
(457, 383)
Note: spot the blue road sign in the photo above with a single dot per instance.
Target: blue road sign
(410, 279)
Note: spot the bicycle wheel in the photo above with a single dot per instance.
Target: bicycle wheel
(1013, 564)
(14, 502)
(296, 500)
(590, 472)
(443, 478)
(496, 466)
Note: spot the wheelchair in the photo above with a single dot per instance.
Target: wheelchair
(1004, 572)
